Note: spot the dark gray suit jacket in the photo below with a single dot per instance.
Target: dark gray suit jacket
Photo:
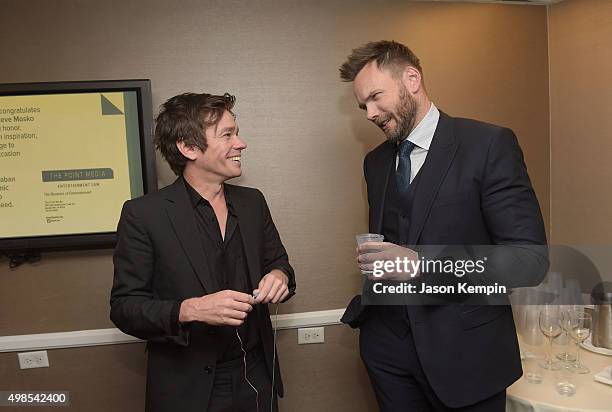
(473, 190)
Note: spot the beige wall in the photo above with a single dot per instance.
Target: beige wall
(306, 144)
(306, 137)
(318, 377)
(581, 122)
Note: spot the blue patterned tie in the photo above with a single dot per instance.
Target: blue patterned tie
(402, 174)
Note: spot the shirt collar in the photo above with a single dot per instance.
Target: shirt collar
(423, 133)
(195, 198)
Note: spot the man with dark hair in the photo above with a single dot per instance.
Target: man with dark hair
(439, 180)
(195, 264)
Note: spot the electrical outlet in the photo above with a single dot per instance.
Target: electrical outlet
(311, 335)
(29, 360)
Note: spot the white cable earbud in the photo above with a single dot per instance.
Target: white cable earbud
(274, 358)
(274, 327)
(245, 371)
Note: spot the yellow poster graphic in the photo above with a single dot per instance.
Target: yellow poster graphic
(63, 163)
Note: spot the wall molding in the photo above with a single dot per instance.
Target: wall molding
(113, 336)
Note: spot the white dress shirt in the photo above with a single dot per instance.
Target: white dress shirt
(421, 136)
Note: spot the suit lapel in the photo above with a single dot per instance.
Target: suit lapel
(180, 212)
(441, 153)
(383, 164)
(250, 237)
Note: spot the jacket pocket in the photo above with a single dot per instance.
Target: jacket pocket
(475, 316)
(451, 199)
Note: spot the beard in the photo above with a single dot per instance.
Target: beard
(404, 114)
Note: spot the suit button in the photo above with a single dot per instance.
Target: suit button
(208, 370)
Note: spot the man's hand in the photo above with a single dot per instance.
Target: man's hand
(227, 307)
(272, 288)
(369, 252)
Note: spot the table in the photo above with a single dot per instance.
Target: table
(590, 395)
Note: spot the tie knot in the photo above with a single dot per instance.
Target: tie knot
(405, 148)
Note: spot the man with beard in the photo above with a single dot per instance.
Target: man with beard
(439, 180)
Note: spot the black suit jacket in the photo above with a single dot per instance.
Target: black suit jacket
(159, 262)
(473, 190)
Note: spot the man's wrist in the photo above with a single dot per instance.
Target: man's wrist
(184, 311)
(283, 275)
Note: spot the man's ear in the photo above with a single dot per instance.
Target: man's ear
(411, 78)
(190, 152)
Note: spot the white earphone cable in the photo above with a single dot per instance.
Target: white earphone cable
(244, 355)
(274, 359)
(245, 371)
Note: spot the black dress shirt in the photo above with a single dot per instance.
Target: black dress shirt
(226, 259)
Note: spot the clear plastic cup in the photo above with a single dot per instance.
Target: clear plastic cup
(565, 381)
(365, 238)
(532, 372)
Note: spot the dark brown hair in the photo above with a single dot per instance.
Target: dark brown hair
(185, 118)
(390, 54)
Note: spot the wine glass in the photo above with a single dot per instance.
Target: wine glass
(580, 330)
(566, 320)
(550, 325)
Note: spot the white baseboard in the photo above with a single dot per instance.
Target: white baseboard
(113, 336)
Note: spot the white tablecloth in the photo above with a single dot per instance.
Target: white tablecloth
(590, 395)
